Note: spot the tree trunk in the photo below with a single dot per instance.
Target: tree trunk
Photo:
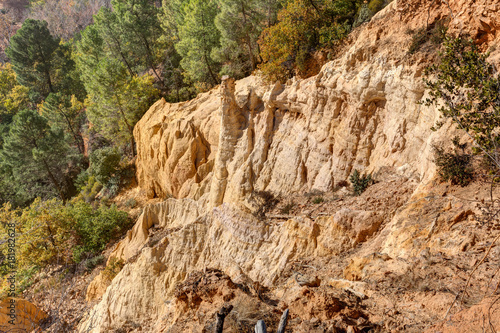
(54, 181)
(249, 41)
(130, 127)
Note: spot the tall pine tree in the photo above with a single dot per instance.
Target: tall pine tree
(139, 23)
(31, 52)
(240, 24)
(35, 157)
(198, 36)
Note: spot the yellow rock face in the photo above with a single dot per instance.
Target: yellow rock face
(207, 156)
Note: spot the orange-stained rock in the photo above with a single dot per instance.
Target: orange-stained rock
(19, 315)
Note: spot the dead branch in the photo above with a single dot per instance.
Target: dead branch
(221, 315)
(283, 322)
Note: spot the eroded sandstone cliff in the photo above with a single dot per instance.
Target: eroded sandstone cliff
(208, 158)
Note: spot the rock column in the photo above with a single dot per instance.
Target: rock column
(230, 130)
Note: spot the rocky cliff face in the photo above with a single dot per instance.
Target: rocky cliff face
(208, 158)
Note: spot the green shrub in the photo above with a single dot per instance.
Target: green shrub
(112, 187)
(454, 166)
(91, 189)
(130, 203)
(359, 183)
(81, 180)
(104, 163)
(96, 227)
(92, 263)
(318, 200)
(367, 10)
(376, 5)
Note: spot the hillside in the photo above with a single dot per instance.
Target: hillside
(395, 258)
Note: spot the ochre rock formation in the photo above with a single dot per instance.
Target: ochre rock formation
(208, 156)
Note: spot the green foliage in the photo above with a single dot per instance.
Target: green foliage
(35, 157)
(13, 97)
(376, 5)
(51, 232)
(130, 203)
(40, 231)
(117, 101)
(139, 27)
(90, 188)
(65, 112)
(359, 182)
(110, 55)
(303, 27)
(466, 89)
(456, 166)
(95, 227)
(42, 63)
(93, 262)
(318, 200)
(32, 51)
(240, 25)
(104, 163)
(198, 37)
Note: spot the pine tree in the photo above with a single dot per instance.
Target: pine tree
(67, 113)
(113, 43)
(139, 23)
(35, 157)
(116, 102)
(31, 51)
(198, 36)
(240, 24)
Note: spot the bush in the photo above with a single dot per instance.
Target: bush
(455, 166)
(367, 10)
(130, 203)
(104, 163)
(91, 189)
(51, 232)
(92, 263)
(96, 227)
(359, 183)
(265, 201)
(304, 27)
(318, 200)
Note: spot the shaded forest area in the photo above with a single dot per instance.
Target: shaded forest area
(76, 76)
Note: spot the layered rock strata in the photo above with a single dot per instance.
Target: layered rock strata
(209, 155)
